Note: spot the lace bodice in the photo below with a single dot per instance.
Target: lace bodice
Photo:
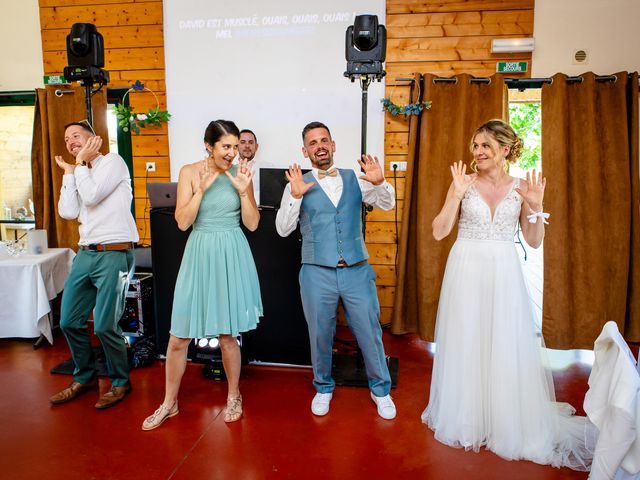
(475, 218)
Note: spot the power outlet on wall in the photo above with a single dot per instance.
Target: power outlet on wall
(398, 166)
(151, 166)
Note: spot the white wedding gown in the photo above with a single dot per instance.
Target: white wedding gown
(488, 384)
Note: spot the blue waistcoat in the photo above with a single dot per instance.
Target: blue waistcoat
(332, 233)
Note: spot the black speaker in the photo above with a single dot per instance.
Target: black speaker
(168, 247)
(282, 335)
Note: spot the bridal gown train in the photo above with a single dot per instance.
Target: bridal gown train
(488, 385)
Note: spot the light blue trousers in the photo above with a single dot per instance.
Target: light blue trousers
(321, 288)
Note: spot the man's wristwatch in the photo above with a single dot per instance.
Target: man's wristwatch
(80, 163)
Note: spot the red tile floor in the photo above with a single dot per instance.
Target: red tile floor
(277, 438)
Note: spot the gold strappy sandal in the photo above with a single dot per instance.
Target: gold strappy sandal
(233, 410)
(160, 415)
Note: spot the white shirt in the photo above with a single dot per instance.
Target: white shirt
(381, 196)
(100, 198)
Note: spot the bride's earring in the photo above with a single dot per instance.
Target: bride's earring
(474, 165)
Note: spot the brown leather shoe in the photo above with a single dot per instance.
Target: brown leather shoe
(113, 396)
(73, 390)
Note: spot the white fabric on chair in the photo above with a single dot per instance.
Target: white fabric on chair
(612, 404)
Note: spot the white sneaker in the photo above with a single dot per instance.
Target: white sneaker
(386, 407)
(320, 403)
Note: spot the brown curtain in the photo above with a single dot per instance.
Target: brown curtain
(52, 113)
(591, 248)
(445, 131)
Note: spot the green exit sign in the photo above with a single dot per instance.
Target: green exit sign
(512, 67)
(54, 80)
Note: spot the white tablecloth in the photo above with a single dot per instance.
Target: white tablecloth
(27, 284)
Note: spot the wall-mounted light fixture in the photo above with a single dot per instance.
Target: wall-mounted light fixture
(507, 45)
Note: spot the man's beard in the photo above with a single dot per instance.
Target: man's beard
(324, 162)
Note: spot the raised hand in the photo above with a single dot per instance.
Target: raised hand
(460, 181)
(532, 190)
(372, 170)
(90, 150)
(243, 177)
(67, 167)
(206, 175)
(298, 187)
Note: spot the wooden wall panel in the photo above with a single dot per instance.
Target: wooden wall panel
(114, 37)
(460, 24)
(63, 15)
(134, 50)
(445, 38)
(426, 6)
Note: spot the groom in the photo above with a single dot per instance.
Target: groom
(327, 202)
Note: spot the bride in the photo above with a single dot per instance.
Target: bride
(488, 385)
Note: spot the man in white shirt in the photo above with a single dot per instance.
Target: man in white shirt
(247, 149)
(97, 191)
(327, 202)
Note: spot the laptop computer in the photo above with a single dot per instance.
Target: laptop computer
(272, 183)
(162, 194)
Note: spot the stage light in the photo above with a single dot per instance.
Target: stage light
(85, 55)
(365, 48)
(512, 45)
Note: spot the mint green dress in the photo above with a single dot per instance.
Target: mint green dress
(217, 289)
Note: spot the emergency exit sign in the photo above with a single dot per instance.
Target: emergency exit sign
(54, 80)
(512, 67)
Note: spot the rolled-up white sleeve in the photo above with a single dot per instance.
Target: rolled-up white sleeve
(287, 216)
(69, 201)
(381, 196)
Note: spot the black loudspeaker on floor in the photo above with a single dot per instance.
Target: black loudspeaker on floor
(349, 370)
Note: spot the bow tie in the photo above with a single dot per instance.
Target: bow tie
(332, 172)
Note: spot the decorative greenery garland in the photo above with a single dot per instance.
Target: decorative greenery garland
(406, 110)
(128, 119)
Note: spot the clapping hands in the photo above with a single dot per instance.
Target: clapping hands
(298, 186)
(460, 181)
(532, 190)
(372, 170)
(242, 178)
(90, 150)
(206, 175)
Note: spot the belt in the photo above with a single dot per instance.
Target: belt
(108, 247)
(343, 264)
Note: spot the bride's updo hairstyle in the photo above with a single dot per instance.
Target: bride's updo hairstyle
(501, 132)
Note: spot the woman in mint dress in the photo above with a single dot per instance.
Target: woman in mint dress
(217, 293)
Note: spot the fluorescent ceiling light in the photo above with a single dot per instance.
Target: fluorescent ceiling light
(506, 45)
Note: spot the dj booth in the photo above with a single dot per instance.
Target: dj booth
(281, 336)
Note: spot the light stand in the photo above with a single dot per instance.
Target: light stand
(365, 51)
(366, 47)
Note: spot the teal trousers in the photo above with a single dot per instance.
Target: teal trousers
(98, 281)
